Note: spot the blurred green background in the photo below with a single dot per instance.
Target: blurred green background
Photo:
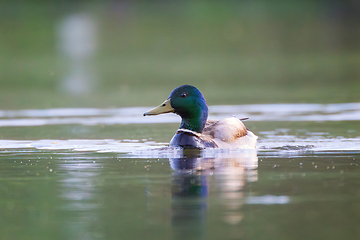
(133, 53)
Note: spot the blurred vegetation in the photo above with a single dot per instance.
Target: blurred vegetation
(235, 52)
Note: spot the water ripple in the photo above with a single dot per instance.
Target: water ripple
(151, 149)
(256, 112)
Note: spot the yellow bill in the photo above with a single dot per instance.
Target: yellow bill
(165, 107)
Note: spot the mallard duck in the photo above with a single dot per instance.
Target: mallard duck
(195, 130)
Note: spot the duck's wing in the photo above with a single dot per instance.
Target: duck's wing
(227, 130)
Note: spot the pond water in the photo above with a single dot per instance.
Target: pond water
(109, 174)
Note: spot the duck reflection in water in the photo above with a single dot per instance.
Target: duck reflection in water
(190, 190)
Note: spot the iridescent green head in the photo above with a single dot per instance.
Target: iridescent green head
(189, 103)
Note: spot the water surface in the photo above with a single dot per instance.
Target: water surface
(109, 174)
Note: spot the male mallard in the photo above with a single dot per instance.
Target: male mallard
(195, 131)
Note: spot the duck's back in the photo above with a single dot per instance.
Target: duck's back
(230, 133)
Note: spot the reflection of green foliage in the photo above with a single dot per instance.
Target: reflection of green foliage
(240, 52)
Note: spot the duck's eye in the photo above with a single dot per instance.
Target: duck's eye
(184, 95)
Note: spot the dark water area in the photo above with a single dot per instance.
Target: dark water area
(52, 194)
